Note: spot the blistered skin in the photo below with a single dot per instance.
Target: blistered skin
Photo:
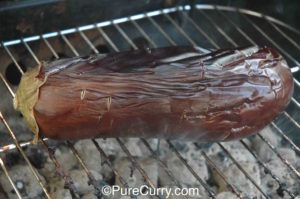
(174, 93)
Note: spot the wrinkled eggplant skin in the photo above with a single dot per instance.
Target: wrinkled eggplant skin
(171, 93)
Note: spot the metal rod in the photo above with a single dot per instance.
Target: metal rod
(283, 34)
(221, 174)
(138, 27)
(283, 159)
(266, 169)
(50, 47)
(294, 146)
(107, 39)
(7, 86)
(243, 170)
(13, 146)
(126, 37)
(270, 40)
(9, 178)
(69, 45)
(33, 170)
(86, 39)
(92, 180)
(31, 52)
(236, 27)
(136, 164)
(110, 164)
(180, 29)
(171, 41)
(13, 59)
(164, 166)
(292, 119)
(200, 30)
(67, 178)
(220, 30)
(202, 182)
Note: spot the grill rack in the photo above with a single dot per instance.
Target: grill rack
(202, 9)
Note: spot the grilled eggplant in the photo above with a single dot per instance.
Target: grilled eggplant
(174, 93)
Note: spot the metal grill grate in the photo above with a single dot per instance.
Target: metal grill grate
(159, 20)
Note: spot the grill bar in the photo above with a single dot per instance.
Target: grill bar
(110, 164)
(180, 29)
(294, 146)
(13, 59)
(136, 165)
(266, 169)
(171, 41)
(91, 45)
(137, 26)
(284, 160)
(283, 34)
(270, 40)
(107, 39)
(50, 47)
(220, 30)
(92, 180)
(202, 182)
(121, 31)
(4, 168)
(222, 175)
(164, 166)
(33, 170)
(243, 170)
(69, 183)
(69, 45)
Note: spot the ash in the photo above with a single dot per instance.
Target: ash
(180, 175)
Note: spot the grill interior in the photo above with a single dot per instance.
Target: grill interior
(206, 26)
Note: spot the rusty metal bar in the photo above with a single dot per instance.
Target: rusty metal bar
(220, 30)
(50, 47)
(13, 59)
(294, 146)
(283, 159)
(69, 44)
(59, 170)
(126, 37)
(164, 166)
(86, 39)
(221, 174)
(107, 39)
(180, 29)
(171, 41)
(270, 40)
(266, 169)
(201, 31)
(138, 27)
(136, 164)
(92, 180)
(33, 170)
(202, 182)
(110, 164)
(243, 171)
(9, 178)
(7, 86)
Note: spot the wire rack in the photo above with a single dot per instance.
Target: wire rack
(192, 33)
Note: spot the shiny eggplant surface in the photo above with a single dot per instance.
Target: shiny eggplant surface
(173, 93)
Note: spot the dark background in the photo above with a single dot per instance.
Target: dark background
(21, 18)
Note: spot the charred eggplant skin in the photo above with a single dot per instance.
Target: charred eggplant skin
(173, 93)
